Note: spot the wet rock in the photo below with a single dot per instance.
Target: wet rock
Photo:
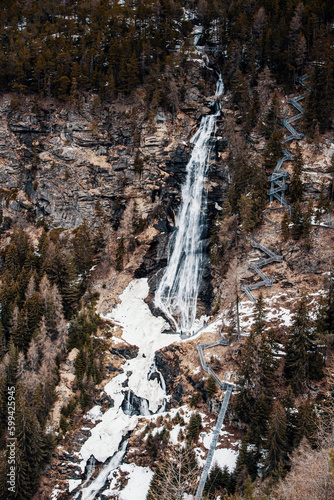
(125, 352)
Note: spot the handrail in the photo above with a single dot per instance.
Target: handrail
(225, 386)
(256, 266)
(277, 189)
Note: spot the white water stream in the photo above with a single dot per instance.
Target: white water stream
(91, 491)
(178, 290)
(177, 297)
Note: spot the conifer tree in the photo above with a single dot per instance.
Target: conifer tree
(212, 386)
(218, 481)
(288, 403)
(194, 427)
(29, 456)
(307, 224)
(302, 361)
(256, 373)
(285, 226)
(297, 219)
(306, 424)
(246, 463)
(120, 252)
(83, 248)
(138, 163)
(276, 439)
(273, 150)
(296, 188)
(323, 204)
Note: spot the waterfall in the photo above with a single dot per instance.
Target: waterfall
(178, 290)
(91, 491)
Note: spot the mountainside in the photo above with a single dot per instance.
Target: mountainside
(110, 180)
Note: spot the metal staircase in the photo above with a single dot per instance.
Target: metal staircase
(226, 386)
(265, 280)
(278, 177)
(214, 442)
(277, 189)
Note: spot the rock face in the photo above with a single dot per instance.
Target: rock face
(63, 165)
(66, 165)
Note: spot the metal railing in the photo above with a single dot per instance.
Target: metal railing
(214, 442)
(265, 280)
(278, 188)
(227, 386)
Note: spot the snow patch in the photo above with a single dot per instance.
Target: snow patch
(73, 483)
(94, 414)
(225, 457)
(138, 484)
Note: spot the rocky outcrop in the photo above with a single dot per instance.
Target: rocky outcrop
(64, 163)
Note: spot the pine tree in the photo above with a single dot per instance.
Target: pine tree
(325, 312)
(212, 387)
(276, 439)
(297, 219)
(306, 424)
(83, 248)
(240, 93)
(138, 163)
(218, 481)
(120, 252)
(302, 360)
(29, 456)
(248, 489)
(323, 204)
(194, 427)
(246, 463)
(296, 187)
(288, 403)
(256, 376)
(273, 150)
(285, 226)
(307, 222)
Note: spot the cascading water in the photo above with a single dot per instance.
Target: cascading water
(91, 491)
(178, 290)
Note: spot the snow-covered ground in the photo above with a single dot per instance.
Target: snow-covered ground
(138, 478)
(107, 441)
(225, 457)
(142, 329)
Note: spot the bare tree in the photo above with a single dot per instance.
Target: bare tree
(31, 287)
(176, 477)
(32, 356)
(310, 476)
(21, 365)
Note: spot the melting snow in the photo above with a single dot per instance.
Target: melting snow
(94, 414)
(225, 456)
(141, 328)
(73, 483)
(138, 483)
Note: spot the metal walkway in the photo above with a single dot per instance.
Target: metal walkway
(277, 189)
(265, 281)
(206, 367)
(278, 178)
(227, 386)
(214, 441)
